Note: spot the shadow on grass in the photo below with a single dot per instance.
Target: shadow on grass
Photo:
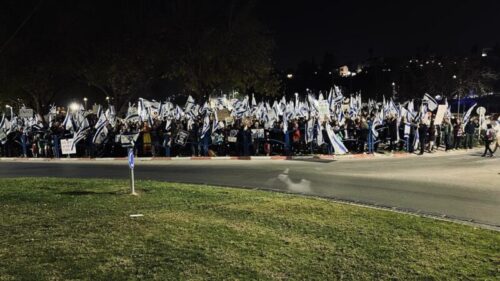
(88, 192)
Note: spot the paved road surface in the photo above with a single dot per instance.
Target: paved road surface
(459, 186)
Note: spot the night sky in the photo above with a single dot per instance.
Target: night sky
(348, 29)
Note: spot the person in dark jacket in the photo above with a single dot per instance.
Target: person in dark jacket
(470, 129)
(422, 134)
(393, 132)
(446, 130)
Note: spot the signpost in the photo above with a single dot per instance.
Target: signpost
(131, 166)
(480, 111)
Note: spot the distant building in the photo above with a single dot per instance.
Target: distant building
(344, 71)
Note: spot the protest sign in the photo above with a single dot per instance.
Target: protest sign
(438, 120)
(257, 133)
(324, 110)
(25, 112)
(181, 138)
(67, 146)
(223, 114)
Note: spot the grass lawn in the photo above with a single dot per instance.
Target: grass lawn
(69, 229)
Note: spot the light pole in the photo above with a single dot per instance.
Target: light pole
(85, 102)
(107, 99)
(459, 92)
(393, 90)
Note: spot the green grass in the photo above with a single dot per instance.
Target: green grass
(57, 229)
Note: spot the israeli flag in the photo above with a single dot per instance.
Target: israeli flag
(338, 145)
(309, 131)
(215, 124)
(206, 126)
(101, 134)
(189, 104)
(468, 114)
(319, 133)
(430, 101)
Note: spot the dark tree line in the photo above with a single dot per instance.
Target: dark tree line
(124, 49)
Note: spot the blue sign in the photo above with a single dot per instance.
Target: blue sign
(131, 158)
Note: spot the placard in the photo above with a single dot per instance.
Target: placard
(323, 110)
(223, 114)
(438, 120)
(181, 138)
(67, 146)
(95, 108)
(257, 133)
(25, 112)
(132, 110)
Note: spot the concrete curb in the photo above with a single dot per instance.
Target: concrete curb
(221, 158)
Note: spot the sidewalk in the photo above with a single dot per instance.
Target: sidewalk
(244, 158)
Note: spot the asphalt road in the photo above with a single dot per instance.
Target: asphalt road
(458, 186)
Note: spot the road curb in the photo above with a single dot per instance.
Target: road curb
(244, 158)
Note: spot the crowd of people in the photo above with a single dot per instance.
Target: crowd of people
(371, 129)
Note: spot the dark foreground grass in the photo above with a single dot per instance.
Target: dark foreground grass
(55, 229)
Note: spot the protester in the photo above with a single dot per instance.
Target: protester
(489, 138)
(246, 128)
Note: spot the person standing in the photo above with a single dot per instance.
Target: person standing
(393, 132)
(446, 131)
(489, 138)
(470, 129)
(458, 133)
(432, 136)
(422, 134)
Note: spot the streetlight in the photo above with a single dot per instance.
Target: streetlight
(289, 76)
(74, 107)
(107, 99)
(85, 102)
(459, 92)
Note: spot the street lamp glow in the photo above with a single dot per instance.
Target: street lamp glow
(74, 106)
(107, 98)
(484, 54)
(289, 76)
(8, 106)
(454, 77)
(85, 99)
(393, 84)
